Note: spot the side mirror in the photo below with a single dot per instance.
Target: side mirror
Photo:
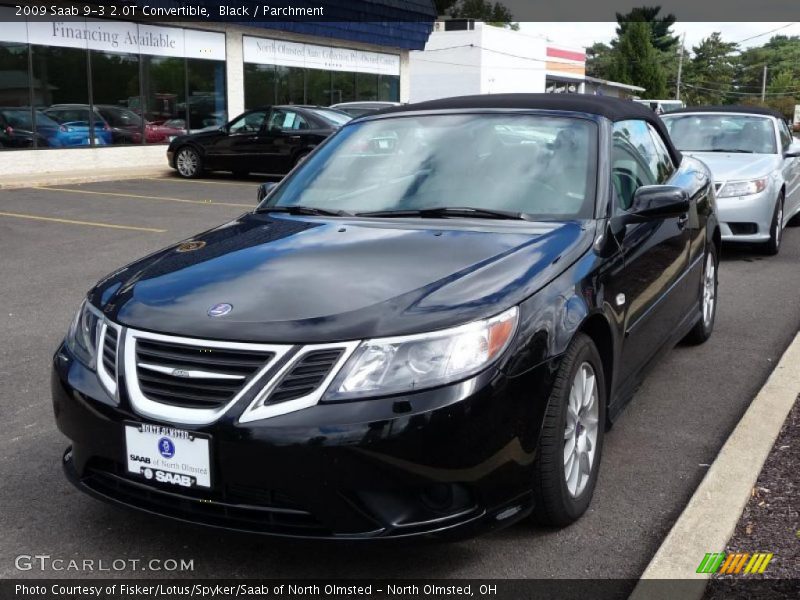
(658, 202)
(650, 202)
(793, 151)
(265, 188)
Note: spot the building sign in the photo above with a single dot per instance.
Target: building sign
(117, 36)
(311, 56)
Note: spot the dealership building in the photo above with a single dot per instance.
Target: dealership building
(99, 94)
(464, 56)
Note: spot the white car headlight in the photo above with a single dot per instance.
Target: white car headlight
(743, 188)
(82, 335)
(408, 363)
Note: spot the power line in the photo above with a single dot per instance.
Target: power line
(752, 37)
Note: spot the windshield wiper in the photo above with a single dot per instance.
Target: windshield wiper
(448, 211)
(299, 209)
(731, 150)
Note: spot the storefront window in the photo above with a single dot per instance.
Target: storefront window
(61, 94)
(163, 90)
(343, 87)
(366, 86)
(115, 87)
(259, 85)
(290, 85)
(318, 87)
(207, 104)
(15, 99)
(389, 88)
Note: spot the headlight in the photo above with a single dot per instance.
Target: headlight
(82, 336)
(414, 362)
(742, 188)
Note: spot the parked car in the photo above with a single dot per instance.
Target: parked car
(124, 125)
(18, 131)
(415, 339)
(359, 109)
(269, 140)
(754, 160)
(78, 127)
(662, 106)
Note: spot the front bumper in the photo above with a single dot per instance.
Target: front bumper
(747, 218)
(171, 158)
(450, 462)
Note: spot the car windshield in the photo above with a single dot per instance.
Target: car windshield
(542, 166)
(333, 116)
(722, 133)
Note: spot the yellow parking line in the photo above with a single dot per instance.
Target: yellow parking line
(177, 180)
(73, 222)
(139, 196)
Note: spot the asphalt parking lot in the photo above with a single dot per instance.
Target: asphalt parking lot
(55, 242)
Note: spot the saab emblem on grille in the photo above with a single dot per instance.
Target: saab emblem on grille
(220, 310)
(180, 373)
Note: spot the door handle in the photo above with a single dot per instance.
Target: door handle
(294, 137)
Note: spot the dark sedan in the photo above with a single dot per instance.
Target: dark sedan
(424, 330)
(270, 140)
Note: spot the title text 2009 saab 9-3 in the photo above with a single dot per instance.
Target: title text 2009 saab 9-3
(425, 329)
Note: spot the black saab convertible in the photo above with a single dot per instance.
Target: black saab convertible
(425, 329)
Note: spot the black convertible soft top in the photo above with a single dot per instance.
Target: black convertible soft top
(731, 108)
(613, 109)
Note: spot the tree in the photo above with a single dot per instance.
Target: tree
(636, 61)
(660, 27)
(480, 10)
(600, 61)
(709, 75)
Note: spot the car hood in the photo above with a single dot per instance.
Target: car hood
(308, 279)
(732, 166)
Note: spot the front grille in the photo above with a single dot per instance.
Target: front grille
(110, 352)
(305, 376)
(264, 511)
(194, 376)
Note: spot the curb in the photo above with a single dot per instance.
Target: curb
(710, 517)
(74, 177)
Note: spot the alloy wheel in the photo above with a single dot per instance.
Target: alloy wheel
(187, 162)
(709, 290)
(580, 432)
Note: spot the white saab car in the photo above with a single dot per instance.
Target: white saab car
(754, 160)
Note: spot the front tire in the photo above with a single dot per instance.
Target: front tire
(773, 246)
(571, 442)
(188, 163)
(708, 300)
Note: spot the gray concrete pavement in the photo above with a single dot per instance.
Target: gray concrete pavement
(654, 457)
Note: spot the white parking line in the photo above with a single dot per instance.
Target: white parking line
(74, 222)
(142, 197)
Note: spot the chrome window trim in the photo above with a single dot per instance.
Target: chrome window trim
(181, 415)
(257, 410)
(108, 382)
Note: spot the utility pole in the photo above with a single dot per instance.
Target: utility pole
(680, 68)
(764, 84)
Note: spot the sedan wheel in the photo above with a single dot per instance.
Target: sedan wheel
(708, 300)
(188, 163)
(571, 439)
(773, 246)
(580, 433)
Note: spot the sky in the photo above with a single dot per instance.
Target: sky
(585, 34)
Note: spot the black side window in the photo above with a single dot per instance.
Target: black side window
(634, 161)
(664, 166)
(248, 123)
(786, 136)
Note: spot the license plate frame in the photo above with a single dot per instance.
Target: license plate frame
(183, 461)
